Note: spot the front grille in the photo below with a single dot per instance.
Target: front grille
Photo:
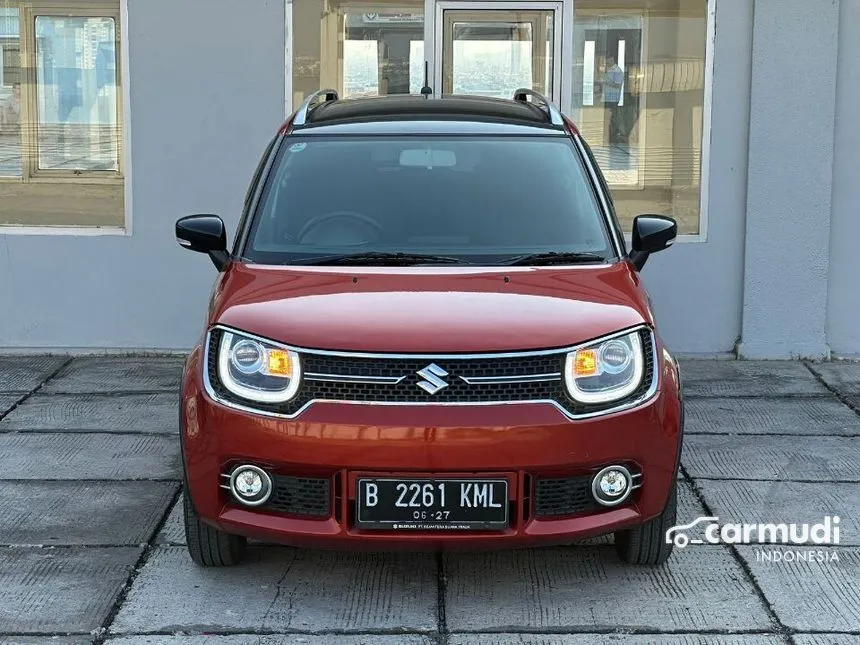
(300, 496)
(463, 380)
(567, 496)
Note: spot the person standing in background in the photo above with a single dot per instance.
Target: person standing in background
(613, 86)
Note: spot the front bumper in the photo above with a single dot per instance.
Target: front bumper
(521, 443)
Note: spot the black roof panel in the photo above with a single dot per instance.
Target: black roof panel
(414, 107)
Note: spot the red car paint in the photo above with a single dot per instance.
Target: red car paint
(425, 310)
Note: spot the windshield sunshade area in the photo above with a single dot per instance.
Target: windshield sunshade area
(477, 199)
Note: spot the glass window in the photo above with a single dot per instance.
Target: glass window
(493, 53)
(357, 47)
(60, 116)
(457, 196)
(639, 82)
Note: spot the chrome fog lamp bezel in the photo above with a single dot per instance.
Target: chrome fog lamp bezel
(264, 476)
(600, 497)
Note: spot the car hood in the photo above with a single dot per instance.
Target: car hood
(430, 309)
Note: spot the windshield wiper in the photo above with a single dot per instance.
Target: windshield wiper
(383, 258)
(555, 257)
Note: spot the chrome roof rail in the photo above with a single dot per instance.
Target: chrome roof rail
(552, 112)
(309, 103)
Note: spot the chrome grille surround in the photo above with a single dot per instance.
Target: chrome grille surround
(387, 379)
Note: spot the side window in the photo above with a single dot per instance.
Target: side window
(605, 188)
(252, 187)
(249, 195)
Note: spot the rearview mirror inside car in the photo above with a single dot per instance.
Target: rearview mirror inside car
(651, 233)
(427, 158)
(204, 234)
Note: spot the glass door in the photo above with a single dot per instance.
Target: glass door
(493, 48)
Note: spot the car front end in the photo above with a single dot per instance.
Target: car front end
(424, 448)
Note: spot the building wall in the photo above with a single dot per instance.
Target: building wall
(843, 322)
(207, 93)
(790, 182)
(697, 287)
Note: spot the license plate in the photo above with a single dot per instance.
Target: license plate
(432, 504)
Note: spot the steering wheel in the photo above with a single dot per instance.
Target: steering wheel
(355, 223)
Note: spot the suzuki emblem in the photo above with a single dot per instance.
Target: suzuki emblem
(432, 382)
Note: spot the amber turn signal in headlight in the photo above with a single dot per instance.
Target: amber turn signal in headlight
(585, 363)
(279, 362)
(258, 370)
(606, 371)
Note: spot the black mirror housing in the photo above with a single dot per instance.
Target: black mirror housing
(204, 234)
(651, 233)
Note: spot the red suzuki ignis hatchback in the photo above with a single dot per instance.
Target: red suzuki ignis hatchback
(429, 333)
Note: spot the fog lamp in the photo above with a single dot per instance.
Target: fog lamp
(250, 485)
(612, 485)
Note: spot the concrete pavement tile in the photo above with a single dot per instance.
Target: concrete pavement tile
(276, 639)
(82, 513)
(283, 589)
(702, 378)
(93, 374)
(842, 376)
(156, 413)
(567, 588)
(25, 373)
(88, 456)
(689, 506)
(781, 458)
(7, 401)
(45, 640)
(807, 594)
(810, 417)
(173, 531)
(614, 639)
(766, 502)
(826, 639)
(49, 591)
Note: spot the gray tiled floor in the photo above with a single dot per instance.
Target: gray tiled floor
(110, 374)
(842, 376)
(155, 413)
(90, 482)
(786, 501)
(8, 401)
(26, 373)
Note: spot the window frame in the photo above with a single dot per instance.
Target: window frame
(29, 101)
(29, 10)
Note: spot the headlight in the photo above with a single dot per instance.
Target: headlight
(256, 370)
(606, 371)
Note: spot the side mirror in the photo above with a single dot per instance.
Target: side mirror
(204, 234)
(651, 233)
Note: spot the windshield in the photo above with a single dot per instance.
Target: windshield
(478, 199)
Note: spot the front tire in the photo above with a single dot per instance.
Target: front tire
(646, 544)
(208, 546)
